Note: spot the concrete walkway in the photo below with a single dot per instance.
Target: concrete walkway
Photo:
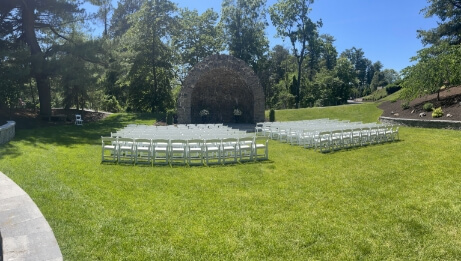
(24, 232)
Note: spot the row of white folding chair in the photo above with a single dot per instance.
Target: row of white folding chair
(179, 133)
(172, 151)
(292, 133)
(338, 139)
(279, 130)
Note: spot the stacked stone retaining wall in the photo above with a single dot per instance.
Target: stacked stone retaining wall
(7, 132)
(439, 124)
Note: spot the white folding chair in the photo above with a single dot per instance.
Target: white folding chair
(109, 144)
(229, 149)
(261, 148)
(78, 120)
(246, 148)
(177, 151)
(160, 151)
(336, 140)
(322, 141)
(143, 151)
(194, 151)
(125, 150)
(212, 151)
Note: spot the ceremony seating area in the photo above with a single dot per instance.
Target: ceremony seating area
(183, 144)
(327, 135)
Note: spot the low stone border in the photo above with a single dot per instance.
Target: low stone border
(7, 132)
(24, 232)
(439, 124)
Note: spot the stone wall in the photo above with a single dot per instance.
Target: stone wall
(7, 132)
(439, 124)
(220, 84)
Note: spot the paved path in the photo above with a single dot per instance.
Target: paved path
(24, 232)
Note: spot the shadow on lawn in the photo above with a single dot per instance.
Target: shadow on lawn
(10, 150)
(71, 135)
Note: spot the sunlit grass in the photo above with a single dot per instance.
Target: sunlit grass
(394, 201)
(364, 112)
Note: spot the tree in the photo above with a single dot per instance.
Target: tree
(146, 42)
(329, 54)
(35, 21)
(119, 22)
(345, 72)
(14, 73)
(391, 76)
(103, 14)
(437, 66)
(199, 37)
(449, 29)
(378, 79)
(244, 22)
(361, 65)
(76, 66)
(290, 18)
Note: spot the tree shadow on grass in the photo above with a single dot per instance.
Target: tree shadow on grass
(73, 135)
(9, 149)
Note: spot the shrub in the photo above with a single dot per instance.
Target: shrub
(392, 88)
(111, 104)
(436, 113)
(405, 105)
(428, 106)
(169, 117)
(272, 115)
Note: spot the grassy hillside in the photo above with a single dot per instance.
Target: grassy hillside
(364, 112)
(394, 201)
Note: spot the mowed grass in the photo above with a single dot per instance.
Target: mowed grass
(394, 201)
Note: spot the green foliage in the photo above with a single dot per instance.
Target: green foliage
(291, 20)
(405, 105)
(376, 95)
(447, 30)
(436, 66)
(151, 64)
(41, 25)
(428, 106)
(14, 73)
(244, 24)
(438, 112)
(169, 116)
(111, 104)
(392, 88)
(272, 115)
(331, 87)
(199, 36)
(357, 57)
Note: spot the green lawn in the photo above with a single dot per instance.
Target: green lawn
(394, 201)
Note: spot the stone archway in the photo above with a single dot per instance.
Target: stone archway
(220, 84)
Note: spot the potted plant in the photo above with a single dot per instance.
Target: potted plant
(237, 114)
(204, 114)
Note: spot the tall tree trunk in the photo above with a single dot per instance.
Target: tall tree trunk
(38, 60)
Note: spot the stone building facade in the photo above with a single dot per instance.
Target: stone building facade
(220, 84)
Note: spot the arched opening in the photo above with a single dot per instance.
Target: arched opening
(221, 91)
(220, 84)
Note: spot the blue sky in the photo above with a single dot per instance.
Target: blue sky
(384, 29)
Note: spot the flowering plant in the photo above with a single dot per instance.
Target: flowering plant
(204, 112)
(237, 112)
